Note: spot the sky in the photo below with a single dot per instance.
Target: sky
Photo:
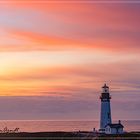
(56, 55)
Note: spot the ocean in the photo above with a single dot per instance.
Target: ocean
(44, 126)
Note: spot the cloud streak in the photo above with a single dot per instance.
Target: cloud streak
(50, 27)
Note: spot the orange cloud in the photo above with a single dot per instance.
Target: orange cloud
(35, 41)
(70, 81)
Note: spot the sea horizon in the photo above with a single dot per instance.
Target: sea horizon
(62, 125)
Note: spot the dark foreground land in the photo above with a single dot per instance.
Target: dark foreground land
(68, 136)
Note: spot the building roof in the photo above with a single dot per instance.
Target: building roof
(115, 125)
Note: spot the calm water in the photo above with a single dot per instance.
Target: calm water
(38, 126)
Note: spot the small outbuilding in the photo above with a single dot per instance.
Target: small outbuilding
(114, 128)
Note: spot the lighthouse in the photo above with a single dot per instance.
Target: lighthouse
(105, 116)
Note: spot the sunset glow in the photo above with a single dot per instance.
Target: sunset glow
(69, 50)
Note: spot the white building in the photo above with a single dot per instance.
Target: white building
(106, 125)
(114, 128)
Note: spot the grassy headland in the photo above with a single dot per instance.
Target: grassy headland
(68, 136)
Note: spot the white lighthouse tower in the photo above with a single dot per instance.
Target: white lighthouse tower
(105, 116)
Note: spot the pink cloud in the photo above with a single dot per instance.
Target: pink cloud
(112, 27)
